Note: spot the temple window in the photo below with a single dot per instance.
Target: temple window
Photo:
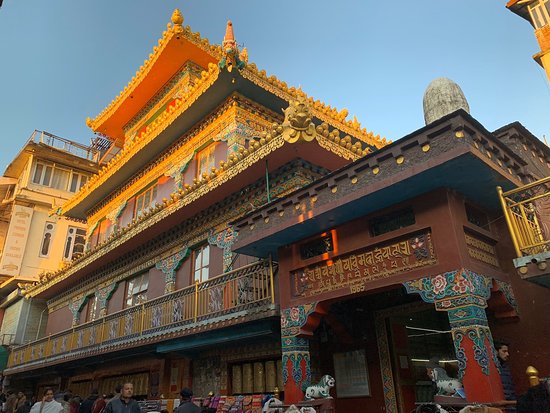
(47, 239)
(57, 177)
(100, 234)
(317, 247)
(205, 160)
(74, 244)
(91, 308)
(145, 200)
(477, 217)
(136, 292)
(540, 13)
(392, 221)
(201, 263)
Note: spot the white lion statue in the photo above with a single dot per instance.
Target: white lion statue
(320, 390)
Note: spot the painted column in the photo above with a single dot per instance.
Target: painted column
(75, 306)
(295, 349)
(168, 267)
(103, 295)
(463, 295)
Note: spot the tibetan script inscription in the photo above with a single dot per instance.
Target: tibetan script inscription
(355, 270)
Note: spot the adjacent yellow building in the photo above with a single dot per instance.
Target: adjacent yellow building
(537, 12)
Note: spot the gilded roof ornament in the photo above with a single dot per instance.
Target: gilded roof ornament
(177, 18)
(298, 126)
(230, 51)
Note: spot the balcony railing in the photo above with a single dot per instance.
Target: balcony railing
(237, 291)
(527, 213)
(74, 148)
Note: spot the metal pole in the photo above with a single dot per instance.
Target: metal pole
(508, 222)
(271, 280)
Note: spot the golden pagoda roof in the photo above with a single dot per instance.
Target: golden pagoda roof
(177, 46)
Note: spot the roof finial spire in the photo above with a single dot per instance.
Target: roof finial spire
(177, 18)
(229, 38)
(230, 50)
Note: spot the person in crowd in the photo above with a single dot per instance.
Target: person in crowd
(99, 404)
(503, 355)
(74, 404)
(25, 406)
(47, 404)
(186, 404)
(125, 403)
(536, 400)
(11, 401)
(21, 400)
(118, 389)
(87, 405)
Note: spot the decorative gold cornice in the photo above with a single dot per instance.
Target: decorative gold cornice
(235, 107)
(236, 164)
(318, 109)
(151, 132)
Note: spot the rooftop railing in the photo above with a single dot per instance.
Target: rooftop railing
(74, 148)
(527, 213)
(242, 289)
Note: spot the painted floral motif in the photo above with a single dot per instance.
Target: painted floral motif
(113, 327)
(439, 284)
(91, 339)
(128, 324)
(215, 299)
(32, 353)
(461, 284)
(79, 338)
(177, 311)
(63, 344)
(157, 317)
(418, 245)
(54, 347)
(245, 294)
(41, 351)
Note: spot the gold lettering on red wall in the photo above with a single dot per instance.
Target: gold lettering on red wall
(481, 250)
(354, 271)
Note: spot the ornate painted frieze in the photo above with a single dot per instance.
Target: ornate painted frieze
(463, 295)
(75, 306)
(103, 295)
(355, 271)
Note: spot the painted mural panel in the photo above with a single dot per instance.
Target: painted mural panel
(16, 240)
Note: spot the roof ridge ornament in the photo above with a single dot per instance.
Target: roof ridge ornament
(298, 126)
(230, 52)
(177, 17)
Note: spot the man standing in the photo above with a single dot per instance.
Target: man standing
(505, 374)
(187, 405)
(124, 404)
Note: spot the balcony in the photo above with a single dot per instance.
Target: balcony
(244, 294)
(527, 213)
(74, 148)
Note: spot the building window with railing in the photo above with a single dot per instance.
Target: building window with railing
(540, 13)
(205, 161)
(46, 239)
(74, 244)
(136, 291)
(201, 263)
(145, 200)
(58, 177)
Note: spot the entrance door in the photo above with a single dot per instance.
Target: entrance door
(416, 337)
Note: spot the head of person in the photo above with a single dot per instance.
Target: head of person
(186, 393)
(503, 352)
(127, 391)
(118, 388)
(48, 394)
(20, 394)
(95, 392)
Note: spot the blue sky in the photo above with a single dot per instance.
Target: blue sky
(64, 60)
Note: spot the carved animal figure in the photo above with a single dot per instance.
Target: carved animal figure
(273, 405)
(445, 385)
(320, 390)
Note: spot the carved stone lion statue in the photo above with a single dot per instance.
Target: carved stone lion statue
(320, 390)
